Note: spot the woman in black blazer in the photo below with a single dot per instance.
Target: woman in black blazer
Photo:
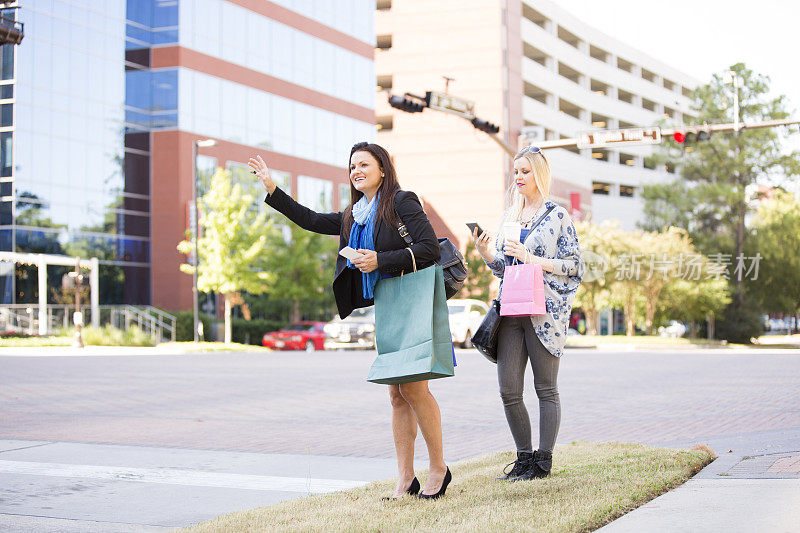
(373, 177)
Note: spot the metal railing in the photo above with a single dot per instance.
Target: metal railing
(151, 320)
(25, 318)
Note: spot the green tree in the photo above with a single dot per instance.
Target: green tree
(777, 239)
(651, 275)
(234, 235)
(479, 281)
(709, 200)
(302, 264)
(694, 301)
(601, 247)
(710, 197)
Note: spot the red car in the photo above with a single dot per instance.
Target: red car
(307, 336)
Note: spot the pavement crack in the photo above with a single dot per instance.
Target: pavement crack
(28, 447)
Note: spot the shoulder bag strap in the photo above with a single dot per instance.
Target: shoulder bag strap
(401, 228)
(542, 217)
(533, 226)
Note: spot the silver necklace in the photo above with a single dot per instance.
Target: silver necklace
(535, 210)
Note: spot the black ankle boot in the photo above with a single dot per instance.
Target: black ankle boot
(537, 466)
(518, 466)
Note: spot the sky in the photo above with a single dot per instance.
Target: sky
(701, 37)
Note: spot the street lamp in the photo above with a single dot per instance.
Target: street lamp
(198, 143)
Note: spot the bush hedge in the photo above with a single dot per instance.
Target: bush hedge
(251, 331)
(184, 324)
(740, 324)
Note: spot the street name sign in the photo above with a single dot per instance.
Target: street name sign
(534, 134)
(626, 137)
(450, 104)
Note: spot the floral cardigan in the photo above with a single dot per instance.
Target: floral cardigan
(555, 239)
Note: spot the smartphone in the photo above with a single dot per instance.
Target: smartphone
(472, 226)
(350, 253)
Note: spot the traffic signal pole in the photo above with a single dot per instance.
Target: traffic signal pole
(709, 128)
(465, 109)
(502, 144)
(446, 103)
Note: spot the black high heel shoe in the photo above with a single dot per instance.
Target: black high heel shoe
(448, 477)
(413, 490)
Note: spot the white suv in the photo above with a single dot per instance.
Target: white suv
(465, 317)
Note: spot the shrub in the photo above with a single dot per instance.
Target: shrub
(251, 331)
(110, 336)
(740, 324)
(15, 335)
(184, 325)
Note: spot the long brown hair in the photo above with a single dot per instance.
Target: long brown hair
(387, 190)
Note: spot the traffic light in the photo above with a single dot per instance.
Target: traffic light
(485, 125)
(406, 104)
(691, 136)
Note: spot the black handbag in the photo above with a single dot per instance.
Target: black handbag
(454, 267)
(485, 338)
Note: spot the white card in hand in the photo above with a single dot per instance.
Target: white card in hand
(350, 253)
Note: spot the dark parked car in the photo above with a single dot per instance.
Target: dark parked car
(308, 336)
(356, 331)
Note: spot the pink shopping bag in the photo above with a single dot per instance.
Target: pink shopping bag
(523, 291)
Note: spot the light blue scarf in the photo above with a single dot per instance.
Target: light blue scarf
(361, 237)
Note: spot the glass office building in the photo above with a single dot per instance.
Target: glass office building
(103, 101)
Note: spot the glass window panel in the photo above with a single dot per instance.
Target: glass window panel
(314, 193)
(141, 12)
(281, 51)
(283, 180)
(325, 57)
(38, 241)
(137, 92)
(136, 225)
(258, 117)
(6, 145)
(165, 13)
(241, 175)
(79, 82)
(165, 36)
(7, 114)
(234, 40)
(206, 166)
(165, 90)
(258, 43)
(344, 195)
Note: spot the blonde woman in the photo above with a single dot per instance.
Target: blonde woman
(553, 244)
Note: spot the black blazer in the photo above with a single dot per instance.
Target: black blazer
(393, 258)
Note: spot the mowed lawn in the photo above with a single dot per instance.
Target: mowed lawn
(591, 484)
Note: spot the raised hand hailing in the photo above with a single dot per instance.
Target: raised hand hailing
(259, 168)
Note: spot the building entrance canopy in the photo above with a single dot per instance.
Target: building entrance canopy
(42, 261)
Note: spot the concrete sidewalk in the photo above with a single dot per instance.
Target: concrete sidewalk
(72, 487)
(754, 485)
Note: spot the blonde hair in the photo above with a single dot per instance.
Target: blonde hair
(541, 176)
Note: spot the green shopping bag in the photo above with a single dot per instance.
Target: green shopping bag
(412, 329)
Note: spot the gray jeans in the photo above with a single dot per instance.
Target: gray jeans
(518, 342)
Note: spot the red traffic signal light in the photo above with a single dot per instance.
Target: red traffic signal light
(679, 136)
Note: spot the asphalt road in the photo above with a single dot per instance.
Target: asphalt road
(130, 442)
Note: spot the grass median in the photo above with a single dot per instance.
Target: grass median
(591, 485)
